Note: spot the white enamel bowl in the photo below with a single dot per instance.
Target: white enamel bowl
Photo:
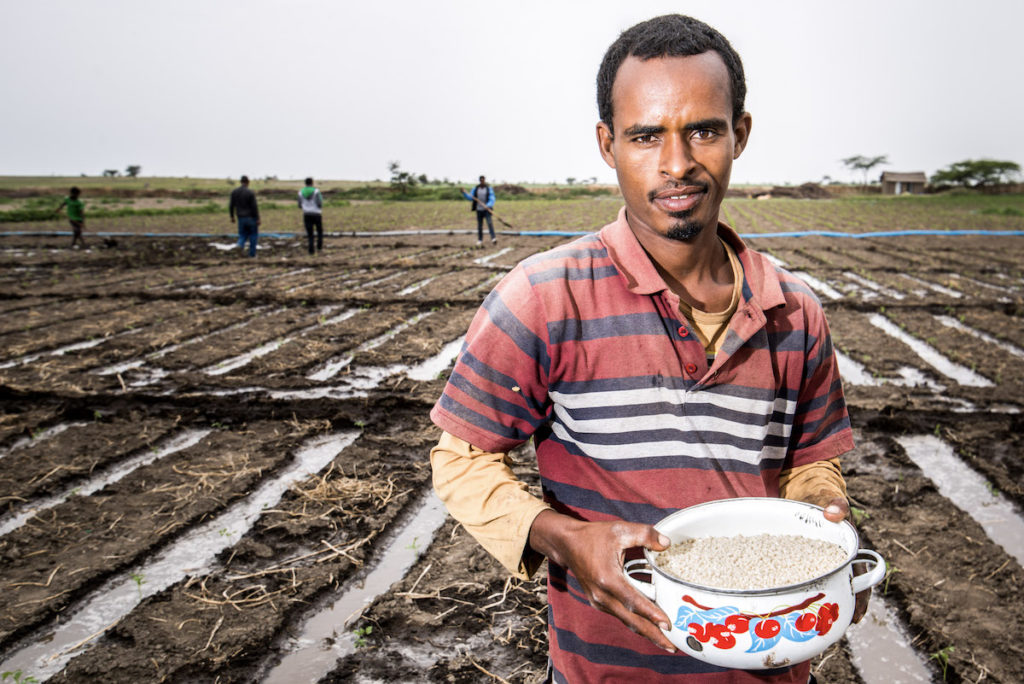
(763, 628)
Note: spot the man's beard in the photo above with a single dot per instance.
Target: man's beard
(685, 228)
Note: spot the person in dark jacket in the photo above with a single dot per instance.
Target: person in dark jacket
(243, 204)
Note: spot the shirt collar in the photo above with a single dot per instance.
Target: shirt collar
(760, 281)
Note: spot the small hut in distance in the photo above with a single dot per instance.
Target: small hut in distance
(897, 183)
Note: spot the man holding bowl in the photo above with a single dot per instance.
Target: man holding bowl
(656, 364)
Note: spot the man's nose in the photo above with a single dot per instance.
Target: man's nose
(676, 157)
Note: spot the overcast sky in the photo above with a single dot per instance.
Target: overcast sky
(337, 89)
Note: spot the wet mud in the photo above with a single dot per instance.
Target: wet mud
(110, 354)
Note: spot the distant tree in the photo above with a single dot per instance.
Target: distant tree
(423, 180)
(571, 180)
(133, 170)
(401, 180)
(865, 164)
(111, 173)
(974, 173)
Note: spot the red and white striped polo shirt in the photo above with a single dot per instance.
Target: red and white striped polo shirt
(583, 348)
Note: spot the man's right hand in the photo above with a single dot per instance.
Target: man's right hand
(595, 553)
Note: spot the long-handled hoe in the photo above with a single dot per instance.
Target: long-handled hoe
(491, 212)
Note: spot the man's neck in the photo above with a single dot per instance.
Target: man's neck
(696, 270)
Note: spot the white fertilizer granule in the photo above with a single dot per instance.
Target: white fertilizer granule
(759, 561)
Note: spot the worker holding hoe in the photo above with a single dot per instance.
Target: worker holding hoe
(481, 200)
(656, 364)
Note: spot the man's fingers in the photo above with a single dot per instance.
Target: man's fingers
(640, 614)
(644, 618)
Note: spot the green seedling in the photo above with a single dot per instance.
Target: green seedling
(97, 416)
(859, 515)
(361, 634)
(942, 657)
(992, 489)
(225, 532)
(938, 430)
(216, 424)
(360, 423)
(17, 677)
(139, 581)
(890, 570)
(414, 546)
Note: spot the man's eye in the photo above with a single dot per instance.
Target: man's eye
(644, 139)
(705, 133)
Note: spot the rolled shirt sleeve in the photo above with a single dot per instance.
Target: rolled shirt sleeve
(817, 480)
(481, 492)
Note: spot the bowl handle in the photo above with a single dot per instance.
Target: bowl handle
(873, 576)
(639, 565)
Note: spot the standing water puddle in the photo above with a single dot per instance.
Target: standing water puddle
(325, 637)
(60, 351)
(872, 285)
(333, 367)
(49, 432)
(487, 259)
(437, 364)
(159, 354)
(819, 286)
(968, 491)
(229, 365)
(356, 382)
(193, 553)
(417, 286)
(176, 443)
(951, 322)
(964, 376)
(855, 373)
(880, 649)
(935, 287)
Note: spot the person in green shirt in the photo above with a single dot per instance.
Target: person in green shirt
(76, 215)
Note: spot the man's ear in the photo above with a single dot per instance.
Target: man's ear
(604, 143)
(741, 131)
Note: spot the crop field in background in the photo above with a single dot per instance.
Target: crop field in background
(209, 464)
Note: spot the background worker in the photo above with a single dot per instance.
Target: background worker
(76, 216)
(243, 204)
(657, 364)
(311, 202)
(481, 200)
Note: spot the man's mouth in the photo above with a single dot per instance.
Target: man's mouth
(674, 200)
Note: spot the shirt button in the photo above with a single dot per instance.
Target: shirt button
(691, 368)
(683, 332)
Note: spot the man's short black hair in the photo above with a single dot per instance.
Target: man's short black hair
(245, 179)
(670, 35)
(74, 191)
(309, 181)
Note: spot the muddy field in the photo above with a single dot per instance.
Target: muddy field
(210, 464)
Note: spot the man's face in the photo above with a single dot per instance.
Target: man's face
(482, 180)
(674, 142)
